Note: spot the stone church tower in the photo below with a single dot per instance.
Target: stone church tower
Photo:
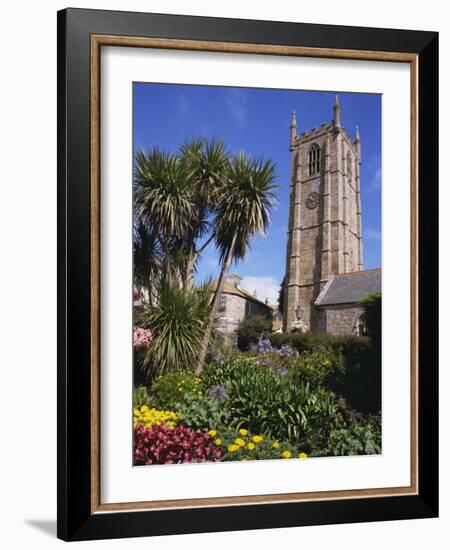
(324, 231)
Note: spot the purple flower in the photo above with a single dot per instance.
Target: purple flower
(264, 346)
(282, 371)
(218, 392)
(285, 351)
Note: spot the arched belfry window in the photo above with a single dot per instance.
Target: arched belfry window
(349, 167)
(314, 159)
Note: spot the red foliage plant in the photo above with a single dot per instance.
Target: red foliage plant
(161, 444)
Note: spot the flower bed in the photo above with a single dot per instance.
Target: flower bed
(265, 404)
(162, 444)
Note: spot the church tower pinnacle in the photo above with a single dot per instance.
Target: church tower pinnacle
(337, 113)
(324, 230)
(293, 130)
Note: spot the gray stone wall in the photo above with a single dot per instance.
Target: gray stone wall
(237, 308)
(340, 320)
(324, 230)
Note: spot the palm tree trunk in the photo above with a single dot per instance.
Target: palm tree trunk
(189, 281)
(214, 307)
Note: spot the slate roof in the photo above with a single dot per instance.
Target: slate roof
(230, 289)
(348, 288)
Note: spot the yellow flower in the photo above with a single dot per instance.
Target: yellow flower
(302, 455)
(240, 442)
(286, 454)
(218, 442)
(144, 408)
(233, 448)
(257, 438)
(212, 433)
(250, 446)
(275, 445)
(243, 432)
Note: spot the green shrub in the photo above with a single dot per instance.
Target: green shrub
(225, 368)
(358, 438)
(200, 412)
(372, 306)
(139, 372)
(253, 328)
(266, 403)
(318, 367)
(173, 387)
(358, 377)
(141, 397)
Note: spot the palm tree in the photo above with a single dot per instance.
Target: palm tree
(174, 195)
(242, 211)
(177, 324)
(207, 165)
(164, 200)
(146, 256)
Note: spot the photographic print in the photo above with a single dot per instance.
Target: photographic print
(247, 303)
(257, 274)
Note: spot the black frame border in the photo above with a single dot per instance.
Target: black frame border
(75, 521)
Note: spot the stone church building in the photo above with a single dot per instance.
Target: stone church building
(324, 264)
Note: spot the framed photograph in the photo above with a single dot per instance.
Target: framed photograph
(247, 253)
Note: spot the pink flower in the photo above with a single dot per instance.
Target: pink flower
(141, 337)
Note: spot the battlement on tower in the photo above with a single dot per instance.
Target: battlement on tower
(324, 231)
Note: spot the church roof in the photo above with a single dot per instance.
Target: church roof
(230, 289)
(348, 288)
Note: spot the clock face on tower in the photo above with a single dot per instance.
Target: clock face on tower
(312, 200)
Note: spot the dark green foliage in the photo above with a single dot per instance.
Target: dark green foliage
(318, 367)
(172, 388)
(139, 372)
(200, 412)
(141, 397)
(372, 306)
(358, 438)
(359, 381)
(266, 403)
(281, 296)
(253, 328)
(177, 323)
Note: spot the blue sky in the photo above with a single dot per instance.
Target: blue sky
(257, 121)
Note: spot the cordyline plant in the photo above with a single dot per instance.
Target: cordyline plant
(242, 211)
(174, 197)
(176, 322)
(182, 203)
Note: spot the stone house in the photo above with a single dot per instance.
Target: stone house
(237, 304)
(337, 305)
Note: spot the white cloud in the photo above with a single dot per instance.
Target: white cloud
(372, 235)
(266, 287)
(236, 103)
(375, 183)
(183, 106)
